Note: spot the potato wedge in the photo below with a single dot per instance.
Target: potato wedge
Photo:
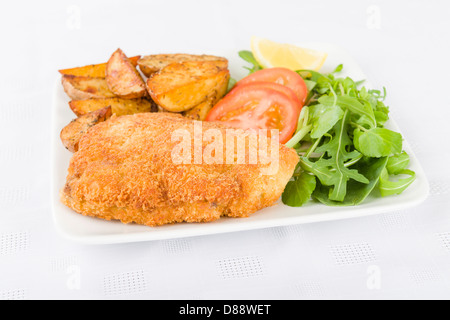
(200, 111)
(82, 88)
(120, 107)
(123, 78)
(72, 133)
(182, 86)
(153, 63)
(95, 70)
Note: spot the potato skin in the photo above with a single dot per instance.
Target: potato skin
(182, 86)
(82, 88)
(94, 70)
(122, 77)
(153, 63)
(72, 133)
(119, 106)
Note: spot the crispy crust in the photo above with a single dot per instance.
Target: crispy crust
(124, 171)
(120, 107)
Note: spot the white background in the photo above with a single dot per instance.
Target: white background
(402, 45)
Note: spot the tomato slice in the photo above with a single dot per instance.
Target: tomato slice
(257, 107)
(283, 76)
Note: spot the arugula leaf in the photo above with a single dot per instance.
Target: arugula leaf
(323, 119)
(352, 104)
(389, 187)
(250, 58)
(357, 192)
(398, 163)
(332, 171)
(310, 85)
(381, 117)
(313, 75)
(339, 68)
(303, 128)
(378, 142)
(299, 191)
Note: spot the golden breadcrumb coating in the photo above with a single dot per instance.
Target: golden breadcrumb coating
(124, 170)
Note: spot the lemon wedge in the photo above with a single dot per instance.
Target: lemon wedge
(270, 54)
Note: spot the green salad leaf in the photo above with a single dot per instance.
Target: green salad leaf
(357, 192)
(303, 128)
(331, 169)
(250, 58)
(378, 142)
(398, 163)
(389, 187)
(352, 104)
(343, 144)
(324, 119)
(299, 191)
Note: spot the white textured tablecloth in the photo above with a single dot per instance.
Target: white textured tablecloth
(403, 45)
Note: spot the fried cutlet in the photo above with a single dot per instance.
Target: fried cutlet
(125, 170)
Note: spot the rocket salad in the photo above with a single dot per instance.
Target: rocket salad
(346, 153)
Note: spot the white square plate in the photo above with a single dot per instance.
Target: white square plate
(96, 231)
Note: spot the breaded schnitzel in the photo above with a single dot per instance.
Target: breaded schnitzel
(125, 170)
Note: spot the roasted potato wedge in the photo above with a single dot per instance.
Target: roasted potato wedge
(182, 86)
(123, 78)
(119, 106)
(82, 88)
(95, 70)
(200, 111)
(72, 133)
(153, 63)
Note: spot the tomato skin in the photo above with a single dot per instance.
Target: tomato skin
(257, 107)
(275, 86)
(283, 76)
